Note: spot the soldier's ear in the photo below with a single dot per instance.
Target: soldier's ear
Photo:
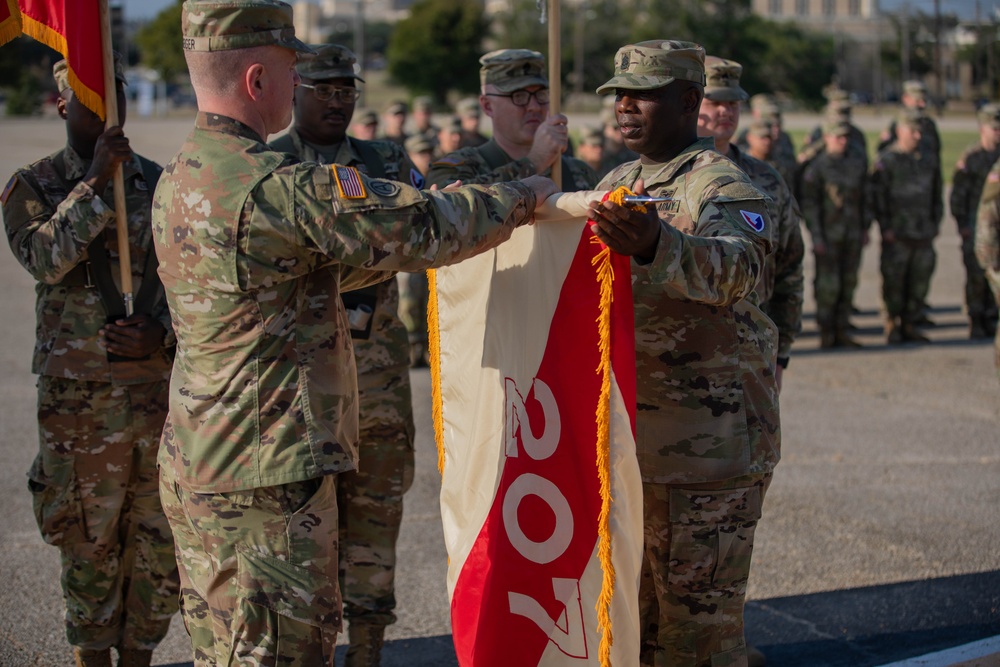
(486, 105)
(61, 103)
(691, 100)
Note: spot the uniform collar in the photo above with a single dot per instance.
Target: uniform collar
(213, 122)
(668, 170)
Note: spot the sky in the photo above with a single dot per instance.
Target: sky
(966, 9)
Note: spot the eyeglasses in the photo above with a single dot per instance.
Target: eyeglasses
(521, 98)
(324, 92)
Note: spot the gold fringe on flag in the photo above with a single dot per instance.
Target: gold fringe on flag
(10, 27)
(605, 277)
(434, 351)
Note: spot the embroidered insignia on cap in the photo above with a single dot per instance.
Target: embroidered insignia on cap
(349, 182)
(755, 220)
(416, 179)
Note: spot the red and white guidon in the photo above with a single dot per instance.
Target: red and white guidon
(520, 497)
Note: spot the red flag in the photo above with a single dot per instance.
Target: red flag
(71, 27)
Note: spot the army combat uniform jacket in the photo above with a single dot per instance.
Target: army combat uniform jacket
(781, 283)
(707, 402)
(906, 194)
(255, 248)
(834, 197)
(967, 185)
(988, 240)
(490, 164)
(56, 226)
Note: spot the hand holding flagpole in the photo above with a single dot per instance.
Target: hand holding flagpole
(111, 120)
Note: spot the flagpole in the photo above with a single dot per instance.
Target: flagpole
(111, 115)
(555, 86)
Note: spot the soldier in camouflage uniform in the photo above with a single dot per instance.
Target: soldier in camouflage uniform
(393, 122)
(760, 142)
(966, 190)
(365, 125)
(102, 385)
(449, 138)
(423, 114)
(707, 432)
(837, 111)
(764, 107)
(779, 291)
(470, 115)
(370, 499)
(591, 149)
(988, 241)
(907, 202)
(914, 99)
(834, 189)
(255, 249)
(526, 139)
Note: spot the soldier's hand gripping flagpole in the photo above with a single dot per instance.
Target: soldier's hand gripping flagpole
(555, 87)
(111, 120)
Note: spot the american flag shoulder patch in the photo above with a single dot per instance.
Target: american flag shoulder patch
(349, 182)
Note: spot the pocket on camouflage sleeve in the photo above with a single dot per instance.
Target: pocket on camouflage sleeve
(710, 547)
(292, 610)
(55, 499)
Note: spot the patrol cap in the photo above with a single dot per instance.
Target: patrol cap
(722, 80)
(761, 127)
(989, 114)
(366, 117)
(915, 88)
(839, 108)
(592, 136)
(836, 128)
(397, 107)
(654, 64)
(771, 112)
(418, 143)
(468, 106)
(60, 72)
(423, 103)
(513, 69)
(911, 117)
(454, 125)
(835, 94)
(608, 116)
(761, 100)
(238, 24)
(331, 61)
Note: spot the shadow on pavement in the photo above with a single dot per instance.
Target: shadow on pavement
(865, 627)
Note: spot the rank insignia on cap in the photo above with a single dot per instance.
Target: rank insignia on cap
(8, 189)
(416, 179)
(349, 182)
(755, 220)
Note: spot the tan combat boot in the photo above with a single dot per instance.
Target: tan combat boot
(134, 657)
(910, 333)
(91, 658)
(365, 645)
(893, 332)
(842, 339)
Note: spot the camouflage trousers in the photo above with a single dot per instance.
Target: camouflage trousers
(979, 302)
(94, 487)
(370, 500)
(835, 282)
(413, 295)
(698, 540)
(258, 572)
(907, 267)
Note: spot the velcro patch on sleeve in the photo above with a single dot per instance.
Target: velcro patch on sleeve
(349, 182)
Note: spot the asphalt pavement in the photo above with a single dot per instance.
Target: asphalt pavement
(880, 539)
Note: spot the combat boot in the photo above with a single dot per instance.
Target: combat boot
(134, 657)
(365, 645)
(911, 334)
(826, 338)
(976, 329)
(841, 339)
(893, 332)
(91, 658)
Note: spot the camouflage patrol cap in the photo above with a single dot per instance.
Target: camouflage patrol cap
(331, 61)
(512, 69)
(592, 136)
(453, 126)
(238, 24)
(763, 100)
(654, 64)
(838, 108)
(396, 107)
(915, 88)
(366, 117)
(418, 143)
(989, 114)
(911, 117)
(423, 103)
(468, 106)
(835, 94)
(836, 128)
(761, 128)
(608, 116)
(722, 80)
(60, 72)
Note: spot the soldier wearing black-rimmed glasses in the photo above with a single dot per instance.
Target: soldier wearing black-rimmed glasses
(527, 139)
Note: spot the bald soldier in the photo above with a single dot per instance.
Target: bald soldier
(370, 499)
(707, 432)
(780, 286)
(102, 384)
(526, 138)
(255, 249)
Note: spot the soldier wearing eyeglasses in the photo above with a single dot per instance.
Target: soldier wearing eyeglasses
(526, 139)
(369, 499)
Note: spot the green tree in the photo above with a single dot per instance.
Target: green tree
(26, 73)
(160, 43)
(437, 48)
